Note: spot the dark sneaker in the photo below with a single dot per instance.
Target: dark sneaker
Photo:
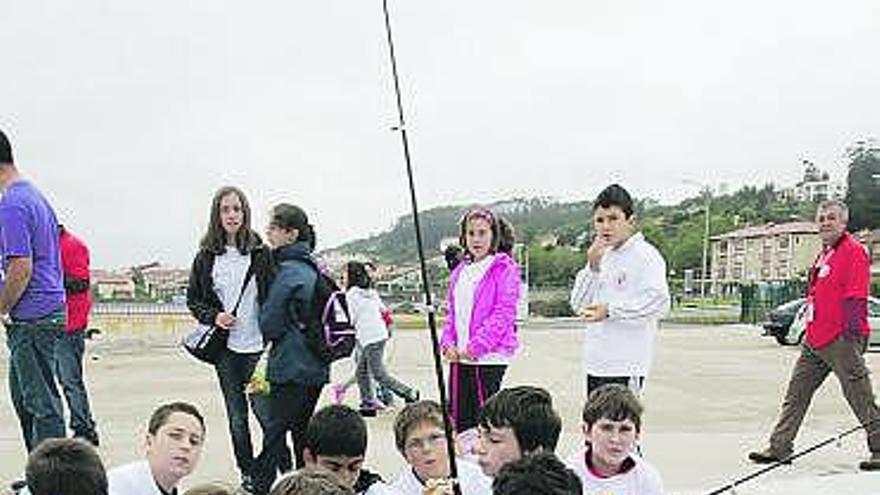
(872, 464)
(370, 407)
(767, 457)
(413, 396)
(247, 484)
(91, 437)
(18, 486)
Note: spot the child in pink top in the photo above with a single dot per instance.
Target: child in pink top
(479, 337)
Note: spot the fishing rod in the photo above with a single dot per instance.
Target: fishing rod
(432, 321)
(786, 461)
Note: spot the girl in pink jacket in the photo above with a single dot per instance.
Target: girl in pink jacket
(479, 337)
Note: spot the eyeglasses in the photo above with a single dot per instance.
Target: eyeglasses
(418, 444)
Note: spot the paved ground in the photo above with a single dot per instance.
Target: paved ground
(713, 395)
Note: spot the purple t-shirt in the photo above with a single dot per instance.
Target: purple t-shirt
(28, 227)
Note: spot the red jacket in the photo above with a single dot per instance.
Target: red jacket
(75, 264)
(840, 272)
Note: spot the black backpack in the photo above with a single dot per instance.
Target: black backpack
(329, 332)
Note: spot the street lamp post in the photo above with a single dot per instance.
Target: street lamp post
(705, 246)
(704, 273)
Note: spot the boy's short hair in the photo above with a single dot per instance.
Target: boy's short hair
(614, 402)
(336, 430)
(528, 411)
(414, 415)
(162, 413)
(310, 481)
(615, 195)
(213, 489)
(65, 465)
(5, 149)
(539, 474)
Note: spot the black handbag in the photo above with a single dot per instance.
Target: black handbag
(208, 342)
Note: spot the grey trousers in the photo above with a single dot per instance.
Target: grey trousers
(843, 357)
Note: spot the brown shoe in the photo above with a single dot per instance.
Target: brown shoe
(768, 457)
(872, 464)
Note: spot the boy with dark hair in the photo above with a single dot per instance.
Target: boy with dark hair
(310, 481)
(514, 423)
(539, 474)
(621, 293)
(336, 441)
(421, 439)
(609, 464)
(175, 435)
(65, 465)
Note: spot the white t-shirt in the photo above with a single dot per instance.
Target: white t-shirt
(642, 479)
(132, 479)
(228, 275)
(470, 477)
(632, 281)
(365, 309)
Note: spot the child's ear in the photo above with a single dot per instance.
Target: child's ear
(585, 428)
(308, 457)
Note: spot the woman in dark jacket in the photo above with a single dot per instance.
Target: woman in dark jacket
(295, 373)
(228, 251)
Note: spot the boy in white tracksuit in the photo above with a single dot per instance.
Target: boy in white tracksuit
(621, 293)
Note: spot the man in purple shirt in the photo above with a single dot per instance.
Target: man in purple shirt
(31, 301)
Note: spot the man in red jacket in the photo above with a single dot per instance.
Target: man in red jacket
(836, 337)
(69, 351)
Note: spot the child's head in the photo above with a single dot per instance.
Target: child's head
(65, 465)
(175, 435)
(336, 440)
(481, 233)
(613, 218)
(612, 422)
(356, 275)
(453, 255)
(514, 422)
(310, 481)
(420, 437)
(212, 489)
(539, 474)
(288, 224)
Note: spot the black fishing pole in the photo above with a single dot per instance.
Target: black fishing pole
(784, 462)
(432, 322)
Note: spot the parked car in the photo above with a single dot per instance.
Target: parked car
(780, 318)
(795, 334)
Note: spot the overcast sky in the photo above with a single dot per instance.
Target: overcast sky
(128, 115)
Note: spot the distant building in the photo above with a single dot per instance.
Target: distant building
(112, 285)
(764, 253)
(164, 283)
(872, 242)
(815, 186)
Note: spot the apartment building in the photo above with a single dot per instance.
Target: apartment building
(764, 253)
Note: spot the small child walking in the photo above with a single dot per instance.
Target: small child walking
(371, 332)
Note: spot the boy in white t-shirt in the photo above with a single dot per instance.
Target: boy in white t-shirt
(621, 294)
(609, 465)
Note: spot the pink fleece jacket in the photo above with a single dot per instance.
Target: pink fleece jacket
(493, 319)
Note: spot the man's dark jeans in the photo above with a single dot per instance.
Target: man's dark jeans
(69, 366)
(32, 378)
(234, 370)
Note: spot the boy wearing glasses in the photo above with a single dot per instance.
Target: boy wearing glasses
(420, 438)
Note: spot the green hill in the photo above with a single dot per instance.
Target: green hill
(677, 230)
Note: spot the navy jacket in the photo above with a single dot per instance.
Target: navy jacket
(283, 316)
